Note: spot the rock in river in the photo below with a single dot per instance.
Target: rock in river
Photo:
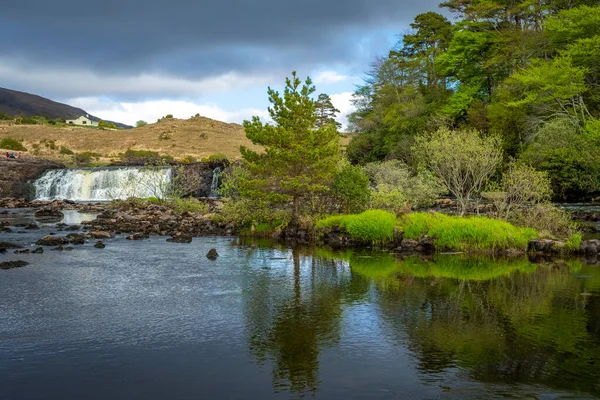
(180, 238)
(212, 254)
(99, 244)
(51, 240)
(13, 264)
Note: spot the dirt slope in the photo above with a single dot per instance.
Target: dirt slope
(199, 137)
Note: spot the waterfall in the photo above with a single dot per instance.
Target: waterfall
(103, 184)
(214, 186)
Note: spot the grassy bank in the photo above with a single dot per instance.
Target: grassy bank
(449, 233)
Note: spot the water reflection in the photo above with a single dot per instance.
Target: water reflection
(504, 323)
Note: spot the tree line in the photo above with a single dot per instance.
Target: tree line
(526, 72)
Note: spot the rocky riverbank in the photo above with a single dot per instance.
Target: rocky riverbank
(16, 173)
(140, 219)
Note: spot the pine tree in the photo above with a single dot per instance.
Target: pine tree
(299, 158)
(326, 112)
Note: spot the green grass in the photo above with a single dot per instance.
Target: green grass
(189, 204)
(573, 242)
(467, 233)
(372, 226)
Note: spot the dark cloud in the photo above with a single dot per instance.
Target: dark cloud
(195, 39)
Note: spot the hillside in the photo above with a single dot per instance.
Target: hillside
(15, 103)
(198, 137)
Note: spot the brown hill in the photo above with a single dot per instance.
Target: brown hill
(15, 103)
(198, 137)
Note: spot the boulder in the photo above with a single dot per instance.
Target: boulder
(408, 246)
(13, 264)
(212, 254)
(180, 238)
(101, 235)
(590, 247)
(24, 251)
(51, 240)
(99, 244)
(425, 245)
(76, 238)
(32, 226)
(39, 250)
(49, 215)
(137, 236)
(8, 245)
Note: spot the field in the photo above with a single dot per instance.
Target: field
(198, 137)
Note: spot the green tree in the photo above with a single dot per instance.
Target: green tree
(464, 160)
(140, 123)
(298, 160)
(326, 112)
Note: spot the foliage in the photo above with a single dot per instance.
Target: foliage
(298, 161)
(9, 143)
(140, 157)
(85, 158)
(216, 157)
(190, 205)
(573, 242)
(466, 233)
(547, 219)
(522, 186)
(397, 188)
(109, 125)
(571, 159)
(350, 189)
(189, 159)
(140, 123)
(66, 150)
(372, 226)
(464, 160)
(326, 112)
(49, 144)
(505, 69)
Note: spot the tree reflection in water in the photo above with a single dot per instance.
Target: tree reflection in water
(505, 321)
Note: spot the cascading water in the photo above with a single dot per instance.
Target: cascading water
(214, 186)
(103, 184)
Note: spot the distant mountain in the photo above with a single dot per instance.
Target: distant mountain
(16, 103)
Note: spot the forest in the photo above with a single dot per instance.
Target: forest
(524, 71)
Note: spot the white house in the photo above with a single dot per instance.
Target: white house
(83, 120)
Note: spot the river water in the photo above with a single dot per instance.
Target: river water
(156, 320)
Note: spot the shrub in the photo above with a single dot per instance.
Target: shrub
(85, 158)
(350, 189)
(190, 205)
(188, 159)
(522, 186)
(547, 219)
(140, 123)
(372, 226)
(66, 150)
(9, 143)
(396, 186)
(216, 157)
(471, 233)
(50, 144)
(164, 136)
(464, 160)
(169, 116)
(5, 117)
(140, 157)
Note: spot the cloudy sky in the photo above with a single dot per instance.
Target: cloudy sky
(126, 60)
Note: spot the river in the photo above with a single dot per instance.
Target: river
(154, 320)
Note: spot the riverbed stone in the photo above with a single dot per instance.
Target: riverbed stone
(13, 264)
(49, 215)
(180, 238)
(99, 244)
(38, 250)
(137, 236)
(24, 251)
(52, 240)
(212, 254)
(101, 235)
(76, 238)
(7, 245)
